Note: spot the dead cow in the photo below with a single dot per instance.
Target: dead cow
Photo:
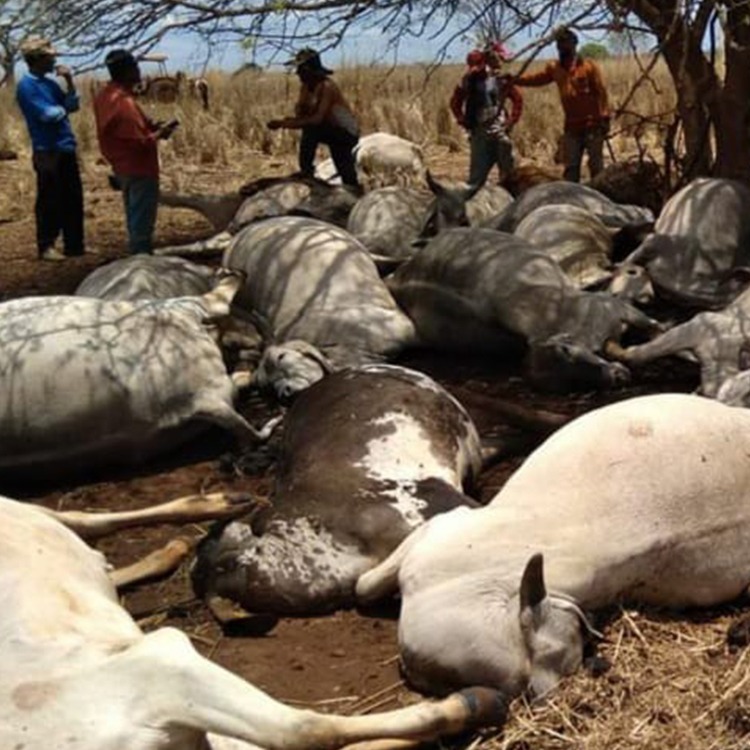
(78, 673)
(612, 214)
(392, 221)
(644, 501)
(261, 199)
(144, 277)
(720, 341)
(87, 381)
(699, 252)
(478, 289)
(367, 455)
(311, 281)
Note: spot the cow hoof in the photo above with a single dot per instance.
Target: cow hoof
(236, 621)
(486, 706)
(738, 635)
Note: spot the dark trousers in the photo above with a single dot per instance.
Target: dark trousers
(339, 141)
(59, 201)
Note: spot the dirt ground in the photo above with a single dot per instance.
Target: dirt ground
(346, 662)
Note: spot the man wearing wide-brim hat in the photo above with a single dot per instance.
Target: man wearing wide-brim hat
(45, 106)
(324, 116)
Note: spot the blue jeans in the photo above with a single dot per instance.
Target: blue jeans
(141, 197)
(486, 151)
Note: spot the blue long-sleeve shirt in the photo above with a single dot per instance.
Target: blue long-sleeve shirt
(46, 106)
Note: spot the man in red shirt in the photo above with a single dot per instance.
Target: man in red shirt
(128, 141)
(479, 104)
(584, 101)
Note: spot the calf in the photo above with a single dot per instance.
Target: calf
(367, 455)
(644, 501)
(78, 673)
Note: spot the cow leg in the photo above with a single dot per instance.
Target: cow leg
(382, 580)
(678, 339)
(215, 245)
(190, 691)
(158, 563)
(217, 302)
(189, 509)
(223, 415)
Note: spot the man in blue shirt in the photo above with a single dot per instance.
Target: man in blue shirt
(45, 106)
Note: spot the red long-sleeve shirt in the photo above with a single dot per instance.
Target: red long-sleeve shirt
(127, 138)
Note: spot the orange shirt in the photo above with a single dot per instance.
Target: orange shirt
(582, 92)
(126, 136)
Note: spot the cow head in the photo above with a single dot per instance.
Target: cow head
(523, 639)
(447, 209)
(289, 368)
(632, 283)
(560, 364)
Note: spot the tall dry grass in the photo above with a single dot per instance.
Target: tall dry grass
(410, 101)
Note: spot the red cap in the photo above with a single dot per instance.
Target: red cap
(475, 59)
(500, 50)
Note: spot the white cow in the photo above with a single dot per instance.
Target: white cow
(382, 159)
(312, 281)
(145, 277)
(699, 252)
(646, 501)
(719, 341)
(77, 672)
(577, 239)
(87, 380)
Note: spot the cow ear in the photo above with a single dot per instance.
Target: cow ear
(533, 591)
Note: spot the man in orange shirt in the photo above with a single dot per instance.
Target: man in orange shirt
(128, 141)
(584, 101)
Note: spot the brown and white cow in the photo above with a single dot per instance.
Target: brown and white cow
(367, 455)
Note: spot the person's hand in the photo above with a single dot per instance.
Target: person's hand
(64, 72)
(604, 125)
(275, 124)
(165, 131)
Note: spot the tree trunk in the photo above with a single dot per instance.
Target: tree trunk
(733, 125)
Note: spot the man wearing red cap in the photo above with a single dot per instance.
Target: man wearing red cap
(479, 104)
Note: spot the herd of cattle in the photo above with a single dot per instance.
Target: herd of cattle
(319, 291)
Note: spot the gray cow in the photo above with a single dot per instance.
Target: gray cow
(314, 282)
(644, 501)
(86, 380)
(699, 252)
(720, 341)
(367, 455)
(391, 221)
(144, 277)
(575, 238)
(612, 214)
(261, 199)
(477, 288)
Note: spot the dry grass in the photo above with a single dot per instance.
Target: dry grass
(410, 101)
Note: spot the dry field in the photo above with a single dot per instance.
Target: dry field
(672, 681)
